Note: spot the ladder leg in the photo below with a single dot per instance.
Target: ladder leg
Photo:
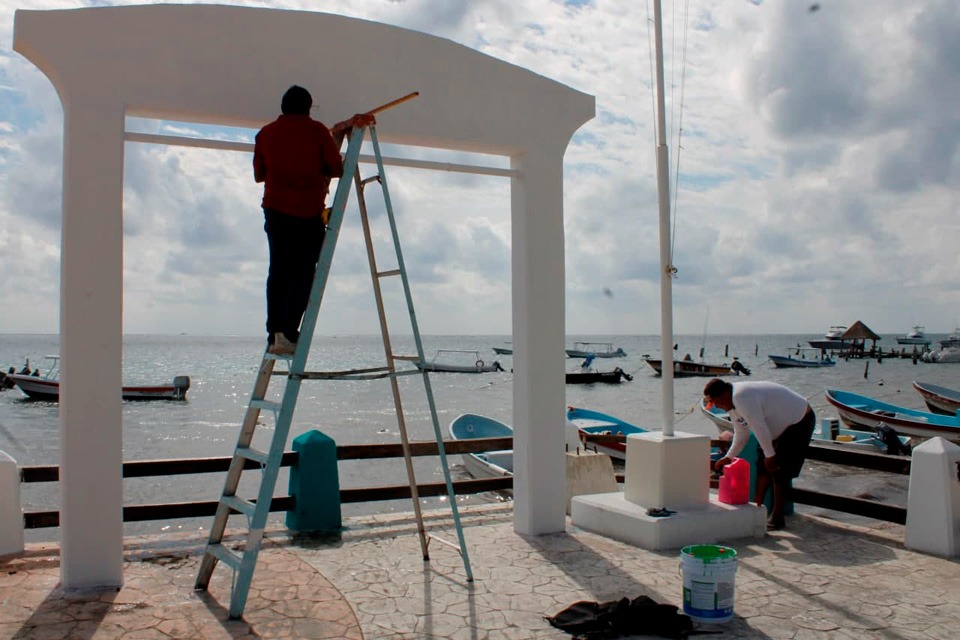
(391, 365)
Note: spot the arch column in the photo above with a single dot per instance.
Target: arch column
(539, 397)
(91, 342)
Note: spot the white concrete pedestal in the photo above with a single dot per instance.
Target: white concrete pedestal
(673, 473)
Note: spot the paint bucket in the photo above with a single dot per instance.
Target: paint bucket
(709, 572)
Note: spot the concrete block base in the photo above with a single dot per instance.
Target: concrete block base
(611, 515)
(588, 473)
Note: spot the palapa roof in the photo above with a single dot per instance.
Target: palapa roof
(859, 331)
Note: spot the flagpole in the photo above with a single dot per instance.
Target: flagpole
(666, 268)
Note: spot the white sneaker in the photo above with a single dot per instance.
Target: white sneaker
(281, 346)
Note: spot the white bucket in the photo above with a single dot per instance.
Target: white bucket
(709, 572)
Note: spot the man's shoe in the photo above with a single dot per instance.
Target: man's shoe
(281, 346)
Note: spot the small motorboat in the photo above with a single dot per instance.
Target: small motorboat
(866, 414)
(594, 427)
(716, 415)
(458, 364)
(595, 349)
(692, 368)
(503, 351)
(587, 374)
(939, 399)
(491, 464)
(803, 357)
(47, 387)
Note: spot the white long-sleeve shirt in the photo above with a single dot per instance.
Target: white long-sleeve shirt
(766, 409)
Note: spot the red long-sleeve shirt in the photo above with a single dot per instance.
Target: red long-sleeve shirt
(295, 157)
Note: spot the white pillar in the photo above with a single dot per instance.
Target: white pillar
(933, 501)
(91, 292)
(11, 514)
(539, 413)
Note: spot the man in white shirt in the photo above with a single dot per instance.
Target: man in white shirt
(783, 423)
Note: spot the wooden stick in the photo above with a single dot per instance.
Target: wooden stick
(384, 107)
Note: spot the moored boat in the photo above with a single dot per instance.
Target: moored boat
(865, 413)
(939, 399)
(915, 336)
(692, 368)
(596, 349)
(503, 351)
(47, 387)
(489, 464)
(832, 339)
(803, 357)
(597, 424)
(457, 366)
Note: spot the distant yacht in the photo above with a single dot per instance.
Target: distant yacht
(915, 336)
(832, 339)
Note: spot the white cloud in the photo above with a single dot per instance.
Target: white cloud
(819, 170)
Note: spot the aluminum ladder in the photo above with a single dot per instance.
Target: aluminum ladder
(243, 561)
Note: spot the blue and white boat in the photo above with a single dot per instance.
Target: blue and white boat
(851, 438)
(864, 413)
(490, 464)
(803, 357)
(596, 423)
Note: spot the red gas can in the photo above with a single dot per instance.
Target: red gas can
(735, 482)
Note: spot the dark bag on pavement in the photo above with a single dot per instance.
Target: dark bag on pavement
(606, 620)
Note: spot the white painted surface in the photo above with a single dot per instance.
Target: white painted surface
(230, 65)
(612, 515)
(11, 514)
(933, 500)
(667, 471)
(588, 473)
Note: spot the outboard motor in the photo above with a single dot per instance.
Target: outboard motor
(891, 439)
(737, 366)
(180, 385)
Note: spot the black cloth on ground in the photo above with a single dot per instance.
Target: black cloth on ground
(625, 617)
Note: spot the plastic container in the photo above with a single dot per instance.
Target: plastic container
(709, 575)
(735, 482)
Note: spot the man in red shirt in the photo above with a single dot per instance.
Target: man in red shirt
(295, 157)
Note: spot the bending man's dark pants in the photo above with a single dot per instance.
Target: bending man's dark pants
(294, 250)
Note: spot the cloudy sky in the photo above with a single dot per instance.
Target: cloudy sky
(818, 174)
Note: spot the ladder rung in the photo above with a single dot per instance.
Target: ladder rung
(278, 356)
(406, 358)
(385, 274)
(266, 404)
(239, 504)
(227, 556)
(366, 181)
(250, 453)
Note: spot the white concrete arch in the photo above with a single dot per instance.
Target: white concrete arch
(229, 65)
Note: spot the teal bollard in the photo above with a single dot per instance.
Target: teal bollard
(315, 484)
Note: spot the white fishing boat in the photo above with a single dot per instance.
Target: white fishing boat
(489, 464)
(915, 336)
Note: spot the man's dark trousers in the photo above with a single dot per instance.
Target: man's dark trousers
(294, 250)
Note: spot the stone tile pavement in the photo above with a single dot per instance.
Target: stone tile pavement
(817, 579)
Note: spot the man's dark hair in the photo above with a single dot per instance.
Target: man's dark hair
(716, 388)
(296, 102)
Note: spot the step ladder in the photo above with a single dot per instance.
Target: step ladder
(267, 463)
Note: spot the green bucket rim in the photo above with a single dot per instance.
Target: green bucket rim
(709, 553)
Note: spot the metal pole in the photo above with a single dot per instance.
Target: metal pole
(666, 268)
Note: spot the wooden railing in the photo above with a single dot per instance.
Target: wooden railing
(207, 508)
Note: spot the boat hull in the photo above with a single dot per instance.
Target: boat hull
(37, 388)
(479, 367)
(577, 353)
(786, 362)
(864, 413)
(689, 369)
(939, 399)
(595, 423)
(490, 464)
(829, 345)
(590, 377)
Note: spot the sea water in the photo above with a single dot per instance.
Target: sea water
(222, 371)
